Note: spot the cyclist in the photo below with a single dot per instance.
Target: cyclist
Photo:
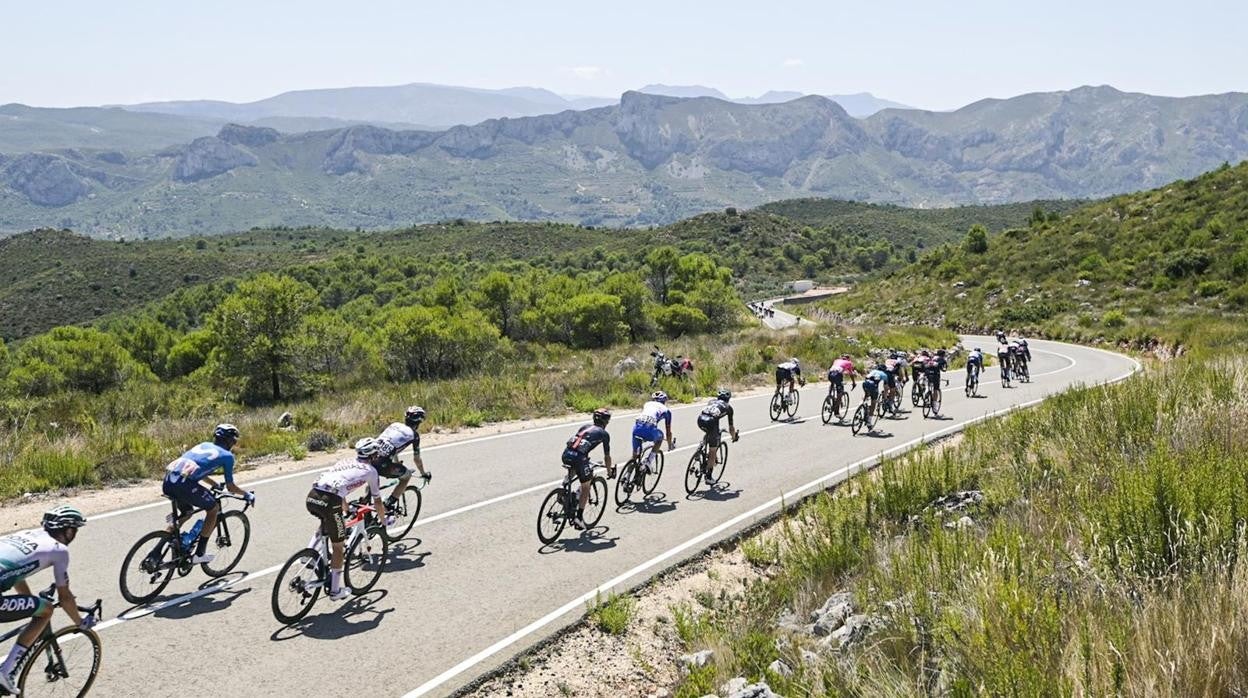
(871, 384)
(932, 370)
(327, 501)
(974, 362)
(646, 427)
(1003, 358)
(1016, 355)
(23, 554)
(917, 362)
(896, 365)
(708, 421)
(576, 455)
(395, 438)
(1000, 337)
(182, 484)
(841, 367)
(789, 372)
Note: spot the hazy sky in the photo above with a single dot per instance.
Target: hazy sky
(925, 53)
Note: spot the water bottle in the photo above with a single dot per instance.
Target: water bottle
(189, 537)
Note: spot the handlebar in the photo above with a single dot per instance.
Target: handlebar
(95, 610)
(219, 493)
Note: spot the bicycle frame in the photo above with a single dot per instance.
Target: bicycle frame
(94, 610)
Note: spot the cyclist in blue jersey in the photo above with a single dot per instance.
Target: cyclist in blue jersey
(183, 478)
(646, 427)
(875, 377)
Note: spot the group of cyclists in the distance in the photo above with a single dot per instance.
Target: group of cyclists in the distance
(189, 482)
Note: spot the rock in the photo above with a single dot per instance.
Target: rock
(731, 686)
(755, 690)
(697, 660)
(853, 631)
(828, 617)
(208, 157)
(958, 501)
(251, 136)
(779, 668)
(961, 295)
(625, 365)
(287, 419)
(961, 524)
(1082, 283)
(809, 657)
(959, 284)
(47, 180)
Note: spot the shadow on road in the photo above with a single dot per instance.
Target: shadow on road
(590, 541)
(718, 492)
(656, 503)
(403, 557)
(158, 605)
(340, 622)
(212, 601)
(877, 434)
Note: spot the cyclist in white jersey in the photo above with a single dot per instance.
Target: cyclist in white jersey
(646, 427)
(327, 501)
(392, 440)
(23, 554)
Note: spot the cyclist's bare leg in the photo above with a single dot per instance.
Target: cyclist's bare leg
(712, 458)
(584, 498)
(335, 565)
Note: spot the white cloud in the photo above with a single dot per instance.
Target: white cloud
(587, 72)
(793, 63)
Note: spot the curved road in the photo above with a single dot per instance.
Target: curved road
(473, 586)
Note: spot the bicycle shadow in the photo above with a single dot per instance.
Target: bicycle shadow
(878, 434)
(338, 623)
(718, 492)
(940, 418)
(401, 560)
(218, 600)
(198, 601)
(590, 541)
(654, 503)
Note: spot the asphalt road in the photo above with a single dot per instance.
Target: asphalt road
(473, 585)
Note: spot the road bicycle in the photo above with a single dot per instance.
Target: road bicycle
(307, 572)
(405, 509)
(559, 507)
(1021, 370)
(972, 382)
(695, 472)
(149, 566)
(1005, 371)
(69, 658)
(869, 412)
(917, 386)
(932, 400)
(637, 474)
(836, 404)
(785, 400)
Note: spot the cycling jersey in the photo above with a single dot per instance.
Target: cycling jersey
(397, 437)
(346, 475)
(845, 365)
(1003, 350)
(653, 413)
(716, 409)
(587, 439)
(200, 462)
(975, 358)
(23, 554)
(791, 367)
(878, 376)
(934, 366)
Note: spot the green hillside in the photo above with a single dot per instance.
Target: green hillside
(1117, 269)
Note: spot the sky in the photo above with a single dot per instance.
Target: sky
(929, 54)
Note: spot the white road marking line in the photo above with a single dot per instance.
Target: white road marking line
(511, 639)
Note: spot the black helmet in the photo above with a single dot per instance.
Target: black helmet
(940, 352)
(602, 416)
(724, 394)
(225, 432)
(414, 416)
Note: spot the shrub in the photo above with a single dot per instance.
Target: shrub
(1114, 319)
(613, 615)
(320, 440)
(1209, 289)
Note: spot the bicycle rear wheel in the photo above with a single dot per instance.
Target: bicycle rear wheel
(597, 503)
(860, 419)
(552, 517)
(651, 480)
(723, 461)
(916, 394)
(366, 560)
(148, 567)
(935, 402)
(297, 585)
(829, 409)
(625, 482)
(406, 509)
(228, 544)
(693, 473)
(777, 406)
(64, 664)
(791, 407)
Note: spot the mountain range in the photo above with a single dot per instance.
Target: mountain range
(650, 159)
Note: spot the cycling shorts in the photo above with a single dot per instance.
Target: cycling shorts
(646, 433)
(579, 462)
(327, 507)
(783, 375)
(189, 495)
(393, 468)
(837, 379)
(17, 607)
(870, 388)
(710, 426)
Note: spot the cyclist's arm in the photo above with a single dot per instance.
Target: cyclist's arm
(65, 599)
(374, 488)
(418, 462)
(606, 449)
(667, 424)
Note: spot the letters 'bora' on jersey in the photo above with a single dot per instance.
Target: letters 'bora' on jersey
(23, 554)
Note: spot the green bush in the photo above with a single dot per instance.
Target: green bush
(1114, 319)
(612, 616)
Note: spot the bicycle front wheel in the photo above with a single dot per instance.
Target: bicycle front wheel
(651, 480)
(406, 509)
(935, 402)
(597, 503)
(63, 665)
(777, 406)
(366, 560)
(147, 568)
(693, 473)
(625, 483)
(228, 544)
(791, 408)
(552, 517)
(297, 585)
(859, 420)
(916, 394)
(829, 409)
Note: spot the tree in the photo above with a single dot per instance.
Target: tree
(660, 265)
(595, 319)
(189, 353)
(634, 297)
(73, 358)
(976, 241)
(147, 340)
(422, 342)
(677, 320)
(497, 296)
(256, 327)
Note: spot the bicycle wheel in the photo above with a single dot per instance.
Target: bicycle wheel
(406, 509)
(935, 402)
(297, 585)
(693, 473)
(597, 502)
(229, 543)
(794, 399)
(723, 461)
(860, 419)
(916, 394)
(1024, 373)
(842, 407)
(625, 482)
(651, 480)
(366, 560)
(145, 572)
(895, 403)
(64, 664)
(970, 386)
(552, 517)
(777, 406)
(829, 408)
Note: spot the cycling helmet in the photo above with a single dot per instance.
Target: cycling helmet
(414, 416)
(225, 432)
(925, 353)
(795, 361)
(659, 396)
(724, 394)
(367, 448)
(940, 352)
(845, 356)
(602, 416)
(881, 367)
(63, 517)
